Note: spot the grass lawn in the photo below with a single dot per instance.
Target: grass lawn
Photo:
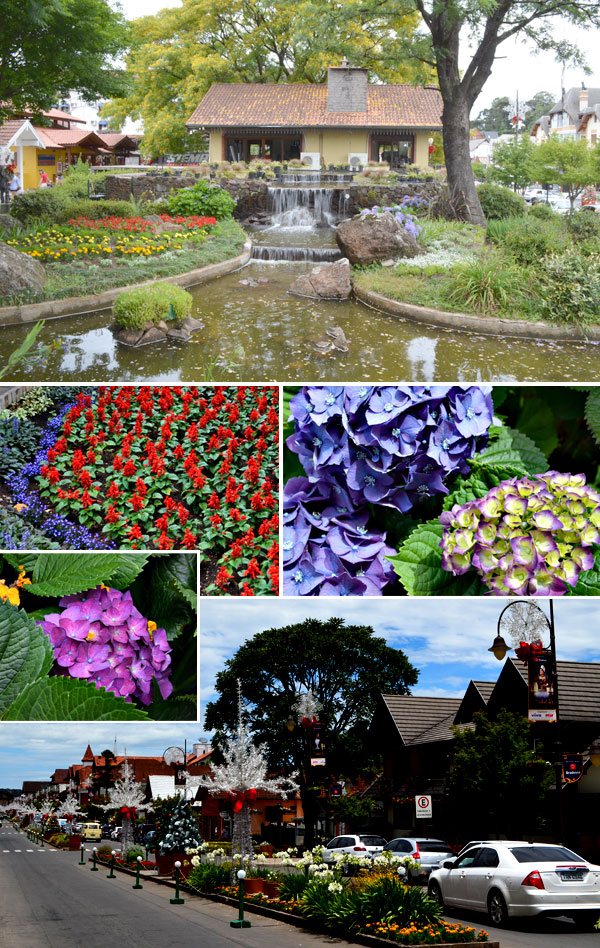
(84, 278)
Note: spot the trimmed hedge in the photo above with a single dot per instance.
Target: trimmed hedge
(134, 308)
(498, 202)
(204, 199)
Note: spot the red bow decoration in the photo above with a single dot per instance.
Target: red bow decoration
(128, 812)
(245, 796)
(527, 650)
(309, 722)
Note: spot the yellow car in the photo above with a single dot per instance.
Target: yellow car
(91, 831)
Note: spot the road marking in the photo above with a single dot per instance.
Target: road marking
(6, 850)
(29, 850)
(18, 850)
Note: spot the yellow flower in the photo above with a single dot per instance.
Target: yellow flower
(151, 629)
(20, 507)
(9, 594)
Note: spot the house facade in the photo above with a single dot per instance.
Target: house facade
(575, 115)
(345, 121)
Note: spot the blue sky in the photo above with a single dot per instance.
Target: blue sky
(447, 639)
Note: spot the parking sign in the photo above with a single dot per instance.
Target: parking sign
(423, 807)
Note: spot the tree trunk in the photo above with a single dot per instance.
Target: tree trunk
(461, 183)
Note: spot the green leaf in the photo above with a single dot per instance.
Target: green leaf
(592, 414)
(70, 699)
(28, 560)
(418, 563)
(25, 652)
(589, 582)
(182, 568)
(467, 489)
(129, 568)
(538, 420)
(62, 574)
(511, 452)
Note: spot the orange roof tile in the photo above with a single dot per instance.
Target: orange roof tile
(68, 137)
(271, 105)
(8, 129)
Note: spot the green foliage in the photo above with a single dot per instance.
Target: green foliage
(134, 308)
(84, 207)
(418, 563)
(25, 654)
(208, 877)
(512, 452)
(528, 239)
(18, 443)
(498, 202)
(46, 48)
(584, 225)
(21, 535)
(567, 162)
(495, 782)
(512, 163)
(385, 898)
(132, 853)
(72, 573)
(37, 204)
(21, 352)
(481, 286)
(569, 287)
(542, 211)
(33, 402)
(204, 199)
(292, 886)
(70, 699)
(60, 840)
(592, 414)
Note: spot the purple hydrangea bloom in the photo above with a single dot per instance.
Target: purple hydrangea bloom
(100, 635)
(532, 536)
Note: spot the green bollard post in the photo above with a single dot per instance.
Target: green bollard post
(111, 874)
(81, 859)
(177, 900)
(94, 856)
(138, 884)
(241, 922)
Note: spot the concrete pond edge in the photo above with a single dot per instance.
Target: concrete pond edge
(479, 325)
(84, 305)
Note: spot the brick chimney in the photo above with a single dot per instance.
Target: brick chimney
(347, 88)
(583, 98)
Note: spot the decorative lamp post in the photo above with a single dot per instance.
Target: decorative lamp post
(138, 866)
(111, 874)
(94, 857)
(81, 851)
(240, 921)
(177, 900)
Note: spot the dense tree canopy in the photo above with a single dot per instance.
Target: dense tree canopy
(50, 48)
(178, 53)
(497, 116)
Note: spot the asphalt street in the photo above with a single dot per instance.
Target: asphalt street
(47, 900)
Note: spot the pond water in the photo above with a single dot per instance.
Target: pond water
(260, 333)
(255, 331)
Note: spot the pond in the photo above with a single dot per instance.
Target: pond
(255, 331)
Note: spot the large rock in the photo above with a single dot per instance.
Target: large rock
(328, 281)
(367, 240)
(19, 273)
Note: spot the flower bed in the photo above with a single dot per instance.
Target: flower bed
(418, 489)
(164, 467)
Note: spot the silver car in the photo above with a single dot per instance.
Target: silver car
(514, 878)
(429, 853)
(365, 845)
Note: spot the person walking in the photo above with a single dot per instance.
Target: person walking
(4, 183)
(44, 179)
(15, 185)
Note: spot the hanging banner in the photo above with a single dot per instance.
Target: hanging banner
(541, 677)
(316, 745)
(572, 766)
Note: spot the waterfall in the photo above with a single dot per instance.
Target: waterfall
(311, 254)
(302, 208)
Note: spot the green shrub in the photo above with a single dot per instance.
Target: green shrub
(134, 308)
(133, 852)
(528, 240)
(18, 443)
(38, 204)
(204, 199)
(482, 286)
(543, 212)
(498, 202)
(33, 402)
(104, 852)
(569, 287)
(584, 225)
(59, 839)
(84, 207)
(207, 878)
(292, 886)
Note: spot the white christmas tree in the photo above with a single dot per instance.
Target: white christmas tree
(181, 830)
(127, 797)
(242, 774)
(68, 808)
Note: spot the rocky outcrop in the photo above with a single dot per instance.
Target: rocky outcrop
(328, 281)
(367, 240)
(159, 332)
(19, 273)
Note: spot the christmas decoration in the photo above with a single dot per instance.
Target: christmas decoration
(126, 796)
(242, 774)
(181, 830)
(68, 809)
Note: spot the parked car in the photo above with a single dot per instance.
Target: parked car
(107, 829)
(91, 831)
(363, 845)
(116, 833)
(515, 878)
(427, 852)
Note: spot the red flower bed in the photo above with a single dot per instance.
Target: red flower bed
(176, 468)
(140, 224)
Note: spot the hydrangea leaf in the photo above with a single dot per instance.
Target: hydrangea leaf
(158, 597)
(589, 582)
(466, 489)
(129, 568)
(26, 560)
(25, 653)
(62, 574)
(418, 563)
(70, 699)
(511, 452)
(592, 414)
(181, 568)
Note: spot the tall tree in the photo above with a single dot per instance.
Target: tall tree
(343, 667)
(496, 118)
(50, 48)
(513, 163)
(485, 25)
(570, 163)
(539, 104)
(176, 55)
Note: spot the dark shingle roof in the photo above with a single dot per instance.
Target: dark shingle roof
(570, 102)
(296, 105)
(414, 716)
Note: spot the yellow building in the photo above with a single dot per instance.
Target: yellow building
(345, 121)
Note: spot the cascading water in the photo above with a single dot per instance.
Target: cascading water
(307, 207)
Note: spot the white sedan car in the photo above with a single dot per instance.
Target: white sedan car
(511, 878)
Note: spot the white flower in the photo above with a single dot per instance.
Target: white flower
(195, 861)
(335, 887)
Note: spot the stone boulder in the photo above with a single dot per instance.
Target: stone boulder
(365, 240)
(19, 273)
(328, 281)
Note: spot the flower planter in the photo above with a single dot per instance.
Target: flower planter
(253, 886)
(166, 862)
(271, 888)
(74, 842)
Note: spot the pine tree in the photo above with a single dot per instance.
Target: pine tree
(181, 830)
(127, 797)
